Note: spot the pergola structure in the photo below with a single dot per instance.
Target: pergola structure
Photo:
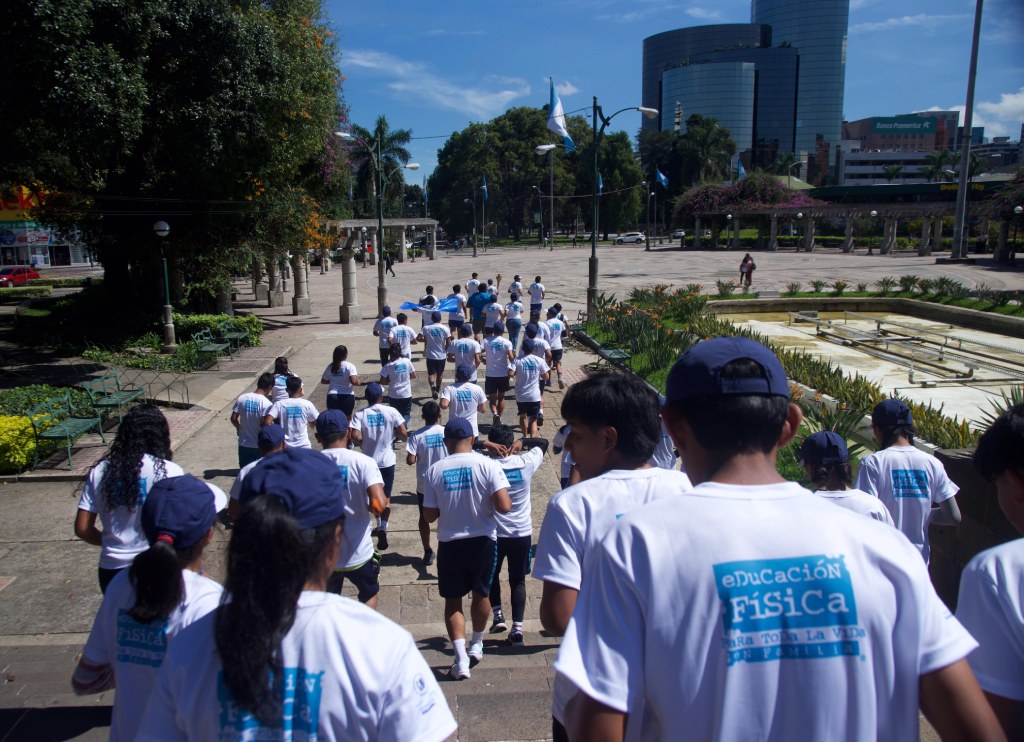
(345, 228)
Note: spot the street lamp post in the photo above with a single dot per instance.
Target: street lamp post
(473, 202)
(162, 229)
(540, 150)
(650, 195)
(790, 175)
(598, 133)
(871, 240)
(540, 227)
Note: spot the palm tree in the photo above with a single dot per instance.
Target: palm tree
(938, 162)
(707, 151)
(783, 163)
(890, 172)
(389, 146)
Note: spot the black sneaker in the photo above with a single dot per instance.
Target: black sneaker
(540, 418)
(498, 625)
(382, 540)
(428, 557)
(433, 394)
(515, 637)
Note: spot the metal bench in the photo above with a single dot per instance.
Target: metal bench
(55, 420)
(615, 355)
(207, 346)
(107, 392)
(235, 338)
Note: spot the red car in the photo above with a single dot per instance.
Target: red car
(16, 275)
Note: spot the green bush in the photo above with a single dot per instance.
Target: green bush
(19, 400)
(793, 288)
(908, 282)
(818, 285)
(17, 443)
(67, 282)
(185, 325)
(862, 288)
(885, 285)
(144, 352)
(839, 286)
(725, 288)
(21, 293)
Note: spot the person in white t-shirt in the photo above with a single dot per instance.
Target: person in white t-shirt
(270, 441)
(139, 457)
(464, 399)
(382, 329)
(436, 339)
(557, 330)
(148, 605)
(423, 449)
(403, 336)
(825, 458)
(466, 351)
(803, 620)
(515, 289)
(341, 378)
(991, 603)
(398, 376)
(910, 483)
(534, 331)
(530, 373)
(281, 376)
(463, 492)
(247, 416)
(457, 317)
(364, 494)
(613, 419)
(515, 529)
(498, 357)
(295, 414)
(472, 285)
(375, 429)
(514, 320)
(536, 296)
(283, 653)
(493, 313)
(567, 471)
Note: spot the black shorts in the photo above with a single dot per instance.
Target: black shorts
(466, 564)
(385, 355)
(455, 324)
(402, 405)
(478, 325)
(556, 355)
(435, 366)
(495, 384)
(518, 551)
(365, 578)
(530, 409)
(344, 402)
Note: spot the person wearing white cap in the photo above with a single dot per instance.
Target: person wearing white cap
(149, 604)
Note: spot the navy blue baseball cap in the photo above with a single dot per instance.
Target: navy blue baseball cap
(435, 316)
(305, 481)
(463, 372)
(270, 436)
(331, 422)
(824, 447)
(499, 327)
(181, 510)
(527, 346)
(458, 429)
(891, 413)
(698, 372)
(374, 391)
(386, 311)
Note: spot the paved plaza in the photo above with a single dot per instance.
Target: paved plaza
(48, 589)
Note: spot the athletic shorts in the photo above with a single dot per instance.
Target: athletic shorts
(530, 409)
(365, 578)
(455, 324)
(435, 366)
(518, 551)
(385, 355)
(535, 308)
(247, 455)
(402, 405)
(556, 355)
(495, 384)
(419, 501)
(344, 402)
(478, 325)
(466, 564)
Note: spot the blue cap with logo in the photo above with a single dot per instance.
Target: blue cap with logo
(374, 391)
(270, 436)
(305, 481)
(331, 422)
(891, 413)
(181, 510)
(698, 372)
(458, 429)
(824, 447)
(463, 372)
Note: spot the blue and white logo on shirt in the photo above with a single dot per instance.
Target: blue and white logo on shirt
(793, 608)
(433, 442)
(300, 705)
(140, 643)
(514, 476)
(375, 420)
(910, 483)
(456, 480)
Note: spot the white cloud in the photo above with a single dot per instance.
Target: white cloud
(566, 88)
(704, 14)
(861, 4)
(414, 80)
(921, 20)
(1010, 106)
(993, 128)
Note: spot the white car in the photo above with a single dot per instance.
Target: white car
(634, 237)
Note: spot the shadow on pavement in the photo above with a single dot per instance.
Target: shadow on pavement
(55, 724)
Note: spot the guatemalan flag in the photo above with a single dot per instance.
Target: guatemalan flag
(600, 184)
(556, 119)
(661, 178)
(741, 173)
(484, 188)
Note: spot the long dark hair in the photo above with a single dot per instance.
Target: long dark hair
(824, 475)
(269, 560)
(340, 355)
(143, 430)
(281, 366)
(155, 575)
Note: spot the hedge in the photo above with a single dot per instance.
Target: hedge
(67, 282)
(17, 441)
(187, 324)
(20, 293)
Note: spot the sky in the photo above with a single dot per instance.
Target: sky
(434, 66)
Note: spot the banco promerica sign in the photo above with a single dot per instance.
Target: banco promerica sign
(904, 124)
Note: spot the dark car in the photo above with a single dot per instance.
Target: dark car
(17, 275)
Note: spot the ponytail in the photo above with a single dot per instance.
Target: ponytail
(155, 575)
(269, 561)
(340, 355)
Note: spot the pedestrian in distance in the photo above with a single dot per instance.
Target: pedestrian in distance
(295, 414)
(826, 460)
(342, 378)
(389, 263)
(747, 267)
(283, 653)
(424, 448)
(435, 338)
(247, 417)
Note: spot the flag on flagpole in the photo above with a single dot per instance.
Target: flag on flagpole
(661, 178)
(740, 172)
(556, 119)
(424, 189)
(484, 188)
(600, 184)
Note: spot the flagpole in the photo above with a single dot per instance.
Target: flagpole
(483, 216)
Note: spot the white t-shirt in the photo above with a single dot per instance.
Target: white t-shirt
(250, 408)
(398, 375)
(514, 310)
(991, 607)
(123, 538)
(464, 400)
(664, 456)
(516, 287)
(427, 445)
(383, 328)
(294, 415)
(544, 333)
(465, 351)
(280, 390)
(803, 620)
(908, 482)
(555, 329)
(536, 293)
(403, 335)
(341, 382)
(493, 314)
(236, 486)
(858, 502)
(496, 350)
(460, 486)
(558, 443)
(540, 348)
(339, 685)
(529, 369)
(136, 650)
(359, 473)
(435, 338)
(472, 286)
(519, 470)
(459, 315)
(377, 425)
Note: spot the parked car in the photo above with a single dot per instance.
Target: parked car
(17, 275)
(678, 234)
(633, 237)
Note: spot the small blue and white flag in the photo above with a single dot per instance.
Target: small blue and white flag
(600, 184)
(484, 188)
(661, 178)
(741, 173)
(424, 189)
(556, 119)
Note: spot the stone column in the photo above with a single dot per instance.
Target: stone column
(937, 233)
(275, 294)
(925, 247)
(888, 236)
(848, 235)
(809, 235)
(773, 235)
(736, 234)
(698, 233)
(402, 254)
(760, 233)
(350, 311)
(714, 234)
(1002, 247)
(259, 283)
(300, 300)
(431, 243)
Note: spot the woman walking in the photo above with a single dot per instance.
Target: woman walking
(342, 377)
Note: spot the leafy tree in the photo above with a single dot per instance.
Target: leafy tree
(707, 150)
(937, 163)
(891, 172)
(389, 146)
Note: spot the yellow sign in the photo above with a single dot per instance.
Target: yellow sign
(15, 205)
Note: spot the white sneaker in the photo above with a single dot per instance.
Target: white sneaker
(476, 653)
(458, 672)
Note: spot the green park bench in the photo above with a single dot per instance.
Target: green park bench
(107, 392)
(235, 338)
(615, 355)
(54, 419)
(208, 347)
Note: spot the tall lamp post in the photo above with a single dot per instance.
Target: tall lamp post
(473, 202)
(543, 149)
(540, 227)
(650, 195)
(598, 133)
(871, 242)
(161, 229)
(795, 164)
(378, 165)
